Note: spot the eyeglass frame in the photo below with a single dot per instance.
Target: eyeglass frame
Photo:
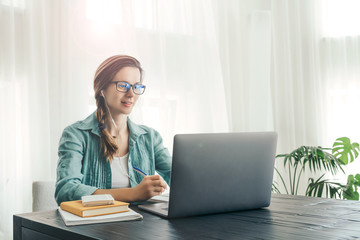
(131, 86)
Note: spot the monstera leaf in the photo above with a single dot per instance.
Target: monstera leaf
(351, 191)
(345, 150)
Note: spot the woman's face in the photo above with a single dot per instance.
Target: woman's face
(120, 102)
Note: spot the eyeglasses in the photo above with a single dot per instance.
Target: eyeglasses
(124, 87)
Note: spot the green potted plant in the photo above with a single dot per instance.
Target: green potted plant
(318, 159)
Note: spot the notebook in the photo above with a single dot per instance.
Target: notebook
(76, 207)
(219, 172)
(72, 219)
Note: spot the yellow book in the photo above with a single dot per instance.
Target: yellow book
(76, 207)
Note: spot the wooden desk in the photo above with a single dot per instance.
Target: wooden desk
(288, 217)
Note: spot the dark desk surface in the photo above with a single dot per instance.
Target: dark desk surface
(288, 217)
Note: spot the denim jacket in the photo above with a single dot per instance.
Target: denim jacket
(82, 167)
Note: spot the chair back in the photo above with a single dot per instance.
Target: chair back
(43, 196)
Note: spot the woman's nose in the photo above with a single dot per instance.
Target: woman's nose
(130, 93)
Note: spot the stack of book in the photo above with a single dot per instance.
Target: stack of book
(96, 209)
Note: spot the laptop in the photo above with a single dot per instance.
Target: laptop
(219, 172)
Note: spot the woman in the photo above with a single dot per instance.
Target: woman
(107, 153)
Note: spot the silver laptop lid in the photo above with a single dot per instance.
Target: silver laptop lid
(221, 172)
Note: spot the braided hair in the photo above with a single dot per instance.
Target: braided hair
(103, 78)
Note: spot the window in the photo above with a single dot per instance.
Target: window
(340, 18)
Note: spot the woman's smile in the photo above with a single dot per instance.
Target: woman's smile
(126, 103)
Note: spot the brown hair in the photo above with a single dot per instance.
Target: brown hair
(103, 78)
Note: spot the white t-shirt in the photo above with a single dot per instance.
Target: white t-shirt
(120, 171)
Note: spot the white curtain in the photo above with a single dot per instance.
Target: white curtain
(244, 38)
(210, 66)
(340, 68)
(316, 74)
(27, 126)
(305, 85)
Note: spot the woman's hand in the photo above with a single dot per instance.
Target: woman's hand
(150, 186)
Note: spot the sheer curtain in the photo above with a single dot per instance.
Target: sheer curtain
(316, 72)
(301, 79)
(244, 37)
(49, 53)
(340, 68)
(26, 127)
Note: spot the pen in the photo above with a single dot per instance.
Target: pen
(140, 171)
